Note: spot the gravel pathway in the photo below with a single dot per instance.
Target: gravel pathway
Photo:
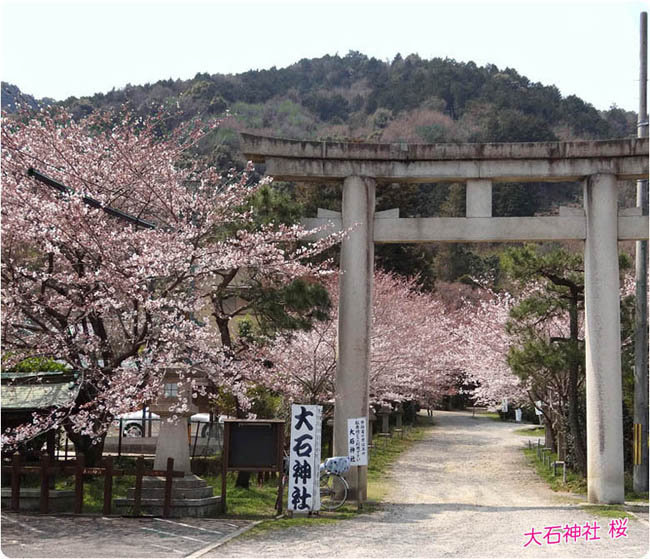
(463, 491)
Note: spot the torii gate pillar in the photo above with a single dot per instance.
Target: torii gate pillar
(603, 342)
(355, 316)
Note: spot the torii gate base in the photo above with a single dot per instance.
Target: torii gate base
(361, 167)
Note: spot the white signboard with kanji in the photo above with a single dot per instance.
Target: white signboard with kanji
(357, 441)
(304, 458)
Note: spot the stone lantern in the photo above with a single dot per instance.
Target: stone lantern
(191, 495)
(173, 439)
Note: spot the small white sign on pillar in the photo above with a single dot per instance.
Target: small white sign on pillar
(304, 458)
(358, 441)
(504, 405)
(518, 415)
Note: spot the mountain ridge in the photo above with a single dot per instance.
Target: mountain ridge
(434, 100)
(411, 100)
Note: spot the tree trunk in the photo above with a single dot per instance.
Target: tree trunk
(243, 478)
(549, 434)
(574, 369)
(84, 444)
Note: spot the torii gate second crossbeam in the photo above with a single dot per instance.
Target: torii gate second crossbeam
(360, 167)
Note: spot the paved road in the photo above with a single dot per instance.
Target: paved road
(464, 491)
(25, 535)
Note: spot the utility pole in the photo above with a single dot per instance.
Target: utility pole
(640, 475)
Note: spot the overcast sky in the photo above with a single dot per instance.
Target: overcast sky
(58, 49)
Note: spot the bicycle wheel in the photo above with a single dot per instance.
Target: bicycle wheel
(333, 491)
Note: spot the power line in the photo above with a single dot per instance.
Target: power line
(92, 202)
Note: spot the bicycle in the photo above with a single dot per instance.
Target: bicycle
(334, 487)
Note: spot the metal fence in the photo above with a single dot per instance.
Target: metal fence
(136, 437)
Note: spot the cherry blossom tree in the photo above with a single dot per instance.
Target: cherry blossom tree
(123, 300)
(412, 350)
(412, 347)
(301, 366)
(483, 345)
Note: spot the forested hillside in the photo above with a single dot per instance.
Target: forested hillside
(364, 99)
(410, 99)
(12, 96)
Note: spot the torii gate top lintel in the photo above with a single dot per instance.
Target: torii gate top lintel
(400, 162)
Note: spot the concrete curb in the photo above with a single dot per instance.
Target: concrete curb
(635, 507)
(201, 552)
(637, 517)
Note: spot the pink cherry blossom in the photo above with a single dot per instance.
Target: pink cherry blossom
(117, 303)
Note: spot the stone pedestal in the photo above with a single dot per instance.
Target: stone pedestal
(30, 499)
(371, 426)
(384, 414)
(191, 497)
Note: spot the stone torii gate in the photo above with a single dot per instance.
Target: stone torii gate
(361, 167)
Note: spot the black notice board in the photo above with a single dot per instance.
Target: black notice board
(254, 444)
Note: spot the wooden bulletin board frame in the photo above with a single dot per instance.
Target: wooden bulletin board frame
(236, 428)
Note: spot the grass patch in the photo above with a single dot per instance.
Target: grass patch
(633, 497)
(494, 416)
(578, 484)
(94, 490)
(574, 481)
(256, 502)
(537, 432)
(283, 523)
(608, 511)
